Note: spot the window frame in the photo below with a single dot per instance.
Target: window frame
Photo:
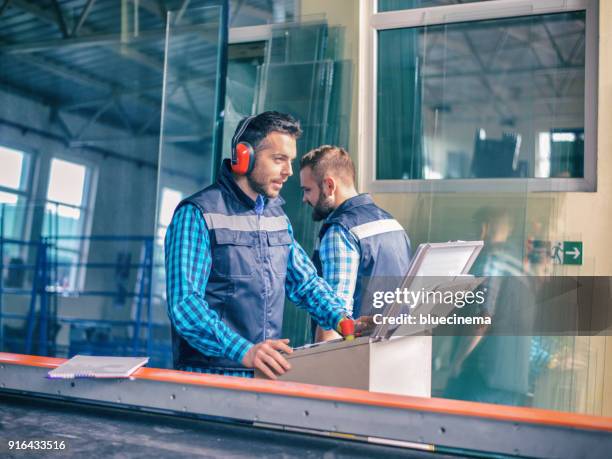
(90, 186)
(28, 170)
(371, 22)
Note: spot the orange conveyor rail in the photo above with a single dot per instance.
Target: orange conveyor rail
(303, 405)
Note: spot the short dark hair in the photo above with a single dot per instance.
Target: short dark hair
(329, 159)
(264, 123)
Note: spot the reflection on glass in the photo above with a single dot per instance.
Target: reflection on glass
(303, 73)
(243, 62)
(85, 115)
(255, 12)
(393, 5)
(192, 110)
(191, 129)
(66, 182)
(488, 99)
(12, 167)
(169, 200)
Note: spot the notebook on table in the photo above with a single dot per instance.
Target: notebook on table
(87, 366)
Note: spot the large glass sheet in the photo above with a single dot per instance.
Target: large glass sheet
(245, 13)
(301, 70)
(304, 74)
(498, 98)
(76, 245)
(192, 112)
(192, 119)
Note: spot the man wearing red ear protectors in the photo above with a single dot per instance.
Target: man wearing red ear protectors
(231, 259)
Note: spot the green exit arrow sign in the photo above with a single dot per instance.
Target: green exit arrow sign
(566, 252)
(572, 252)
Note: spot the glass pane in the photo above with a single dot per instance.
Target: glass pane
(192, 115)
(66, 182)
(63, 220)
(255, 12)
(393, 5)
(12, 168)
(489, 99)
(243, 62)
(169, 200)
(8, 198)
(191, 127)
(90, 109)
(304, 73)
(12, 216)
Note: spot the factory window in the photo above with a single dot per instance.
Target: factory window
(470, 94)
(66, 218)
(169, 200)
(13, 198)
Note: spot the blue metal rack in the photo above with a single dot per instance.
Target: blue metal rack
(46, 292)
(143, 294)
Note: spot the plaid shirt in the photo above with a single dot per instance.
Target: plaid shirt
(340, 255)
(188, 264)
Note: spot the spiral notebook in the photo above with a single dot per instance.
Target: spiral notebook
(87, 366)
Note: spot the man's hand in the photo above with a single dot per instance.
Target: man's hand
(364, 325)
(265, 356)
(322, 335)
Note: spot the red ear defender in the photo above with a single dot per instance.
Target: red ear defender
(244, 158)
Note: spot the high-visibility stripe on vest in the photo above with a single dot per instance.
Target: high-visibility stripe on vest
(250, 252)
(384, 246)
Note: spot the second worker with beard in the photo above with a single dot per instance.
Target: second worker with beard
(358, 242)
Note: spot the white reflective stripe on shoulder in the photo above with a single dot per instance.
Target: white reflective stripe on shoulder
(376, 227)
(245, 222)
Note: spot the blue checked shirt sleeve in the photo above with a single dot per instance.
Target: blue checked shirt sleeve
(309, 291)
(188, 260)
(340, 256)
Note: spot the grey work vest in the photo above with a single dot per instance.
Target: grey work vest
(246, 286)
(384, 246)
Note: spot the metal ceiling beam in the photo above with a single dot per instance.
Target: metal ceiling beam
(53, 19)
(118, 93)
(124, 49)
(86, 79)
(125, 119)
(61, 23)
(104, 39)
(156, 7)
(36, 11)
(72, 42)
(67, 72)
(167, 139)
(56, 117)
(553, 42)
(483, 69)
(181, 11)
(535, 70)
(192, 104)
(112, 89)
(11, 88)
(82, 17)
(138, 92)
(3, 7)
(95, 117)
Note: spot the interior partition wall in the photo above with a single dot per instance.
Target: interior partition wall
(479, 122)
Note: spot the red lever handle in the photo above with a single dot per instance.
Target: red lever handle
(347, 328)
